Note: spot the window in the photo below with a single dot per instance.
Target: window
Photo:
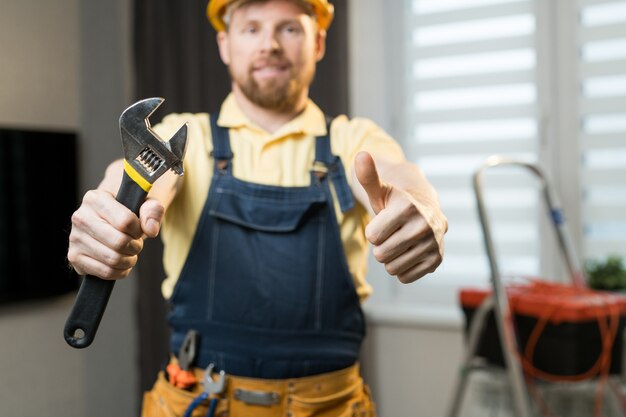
(602, 63)
(540, 80)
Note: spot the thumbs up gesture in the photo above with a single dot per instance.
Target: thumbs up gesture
(408, 227)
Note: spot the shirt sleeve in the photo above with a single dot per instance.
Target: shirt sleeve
(351, 136)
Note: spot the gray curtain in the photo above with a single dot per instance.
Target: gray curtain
(175, 57)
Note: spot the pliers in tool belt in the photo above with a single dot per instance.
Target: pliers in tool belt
(180, 373)
(211, 389)
(146, 158)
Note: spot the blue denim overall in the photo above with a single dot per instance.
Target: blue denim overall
(266, 283)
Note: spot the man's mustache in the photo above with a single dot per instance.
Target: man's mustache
(270, 61)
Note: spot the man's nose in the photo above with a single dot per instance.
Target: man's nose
(269, 41)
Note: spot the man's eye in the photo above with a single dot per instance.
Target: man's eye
(250, 29)
(291, 29)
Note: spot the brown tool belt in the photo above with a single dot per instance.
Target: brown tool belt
(335, 394)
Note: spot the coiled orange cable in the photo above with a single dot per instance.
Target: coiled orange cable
(608, 317)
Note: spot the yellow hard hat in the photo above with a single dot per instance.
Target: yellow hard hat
(216, 8)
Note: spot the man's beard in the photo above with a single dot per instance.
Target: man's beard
(275, 94)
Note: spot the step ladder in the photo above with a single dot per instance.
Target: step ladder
(523, 404)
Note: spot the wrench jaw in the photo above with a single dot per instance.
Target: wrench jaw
(144, 151)
(178, 146)
(151, 159)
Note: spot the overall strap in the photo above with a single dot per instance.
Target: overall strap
(328, 164)
(221, 145)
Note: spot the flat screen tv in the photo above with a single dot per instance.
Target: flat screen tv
(38, 194)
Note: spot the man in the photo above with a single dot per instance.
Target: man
(265, 235)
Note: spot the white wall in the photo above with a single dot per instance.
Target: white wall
(411, 362)
(39, 43)
(39, 66)
(64, 66)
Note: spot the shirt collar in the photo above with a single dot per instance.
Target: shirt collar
(311, 122)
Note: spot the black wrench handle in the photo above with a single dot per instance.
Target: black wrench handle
(93, 295)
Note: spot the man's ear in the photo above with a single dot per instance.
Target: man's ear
(222, 44)
(320, 44)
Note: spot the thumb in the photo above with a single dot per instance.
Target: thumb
(151, 215)
(366, 173)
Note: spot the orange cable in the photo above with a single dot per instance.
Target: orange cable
(607, 325)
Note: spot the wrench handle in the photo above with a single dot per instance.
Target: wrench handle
(93, 295)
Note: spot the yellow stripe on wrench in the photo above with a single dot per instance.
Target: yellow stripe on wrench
(136, 177)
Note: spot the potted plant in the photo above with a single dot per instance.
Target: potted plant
(608, 274)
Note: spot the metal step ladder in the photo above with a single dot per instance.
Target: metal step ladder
(523, 404)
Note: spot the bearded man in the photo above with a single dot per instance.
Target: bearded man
(266, 236)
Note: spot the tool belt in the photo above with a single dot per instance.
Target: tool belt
(335, 394)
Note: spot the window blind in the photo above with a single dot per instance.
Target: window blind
(473, 93)
(602, 69)
(537, 80)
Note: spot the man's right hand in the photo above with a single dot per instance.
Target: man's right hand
(106, 236)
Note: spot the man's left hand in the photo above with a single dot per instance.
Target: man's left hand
(406, 231)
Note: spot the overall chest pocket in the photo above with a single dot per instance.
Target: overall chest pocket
(269, 254)
(278, 212)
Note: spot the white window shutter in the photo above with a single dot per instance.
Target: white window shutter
(474, 94)
(540, 80)
(602, 69)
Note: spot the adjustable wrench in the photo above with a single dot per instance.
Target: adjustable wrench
(146, 158)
